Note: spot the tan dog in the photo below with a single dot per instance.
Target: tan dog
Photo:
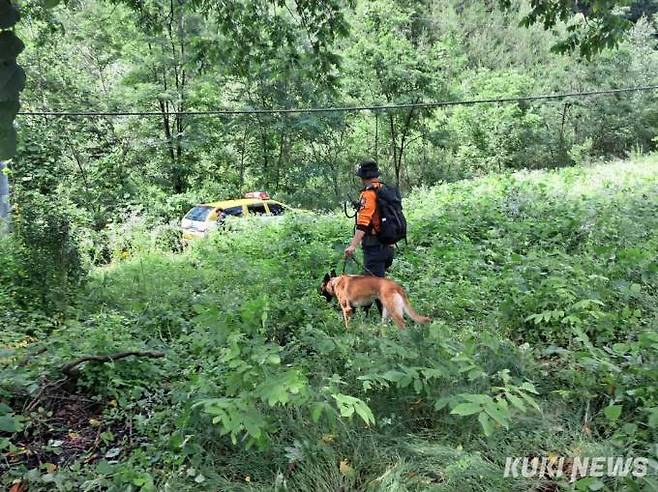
(359, 290)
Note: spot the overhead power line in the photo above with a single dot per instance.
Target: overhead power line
(344, 109)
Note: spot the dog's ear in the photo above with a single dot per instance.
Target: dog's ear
(326, 278)
(333, 273)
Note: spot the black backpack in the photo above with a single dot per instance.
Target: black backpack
(393, 223)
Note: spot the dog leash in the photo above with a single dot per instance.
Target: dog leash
(357, 264)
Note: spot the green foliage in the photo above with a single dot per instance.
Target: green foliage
(594, 25)
(542, 287)
(495, 136)
(42, 264)
(497, 411)
(177, 57)
(48, 263)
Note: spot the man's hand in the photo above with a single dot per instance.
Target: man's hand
(356, 240)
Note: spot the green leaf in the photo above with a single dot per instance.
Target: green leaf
(620, 348)
(496, 413)
(596, 485)
(531, 401)
(406, 380)
(515, 401)
(254, 426)
(346, 410)
(653, 418)
(476, 398)
(629, 429)
(316, 411)
(274, 359)
(274, 393)
(104, 468)
(573, 319)
(485, 422)
(612, 412)
(441, 403)
(589, 483)
(581, 335)
(363, 411)
(529, 387)
(9, 423)
(348, 405)
(466, 409)
(393, 376)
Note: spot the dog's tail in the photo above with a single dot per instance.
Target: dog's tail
(410, 311)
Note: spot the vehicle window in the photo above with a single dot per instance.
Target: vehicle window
(275, 208)
(235, 211)
(198, 214)
(257, 209)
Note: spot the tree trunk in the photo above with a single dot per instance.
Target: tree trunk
(166, 124)
(266, 153)
(394, 147)
(376, 136)
(403, 140)
(243, 149)
(563, 150)
(284, 145)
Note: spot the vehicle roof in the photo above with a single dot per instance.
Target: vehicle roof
(237, 203)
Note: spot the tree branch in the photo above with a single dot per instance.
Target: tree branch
(70, 368)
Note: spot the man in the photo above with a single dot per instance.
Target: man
(377, 257)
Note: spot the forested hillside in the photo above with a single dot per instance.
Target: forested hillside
(133, 358)
(177, 56)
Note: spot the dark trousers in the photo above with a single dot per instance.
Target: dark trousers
(377, 257)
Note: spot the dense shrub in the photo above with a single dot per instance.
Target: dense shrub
(44, 264)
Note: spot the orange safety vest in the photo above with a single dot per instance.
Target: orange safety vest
(368, 218)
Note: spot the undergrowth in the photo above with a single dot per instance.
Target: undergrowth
(542, 288)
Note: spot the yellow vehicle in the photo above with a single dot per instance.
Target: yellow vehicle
(207, 217)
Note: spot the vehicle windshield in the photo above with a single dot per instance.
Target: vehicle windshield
(198, 214)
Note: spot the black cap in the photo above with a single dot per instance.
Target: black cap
(368, 169)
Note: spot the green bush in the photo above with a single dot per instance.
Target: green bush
(43, 266)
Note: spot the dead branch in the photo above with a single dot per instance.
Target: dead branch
(42, 391)
(70, 368)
